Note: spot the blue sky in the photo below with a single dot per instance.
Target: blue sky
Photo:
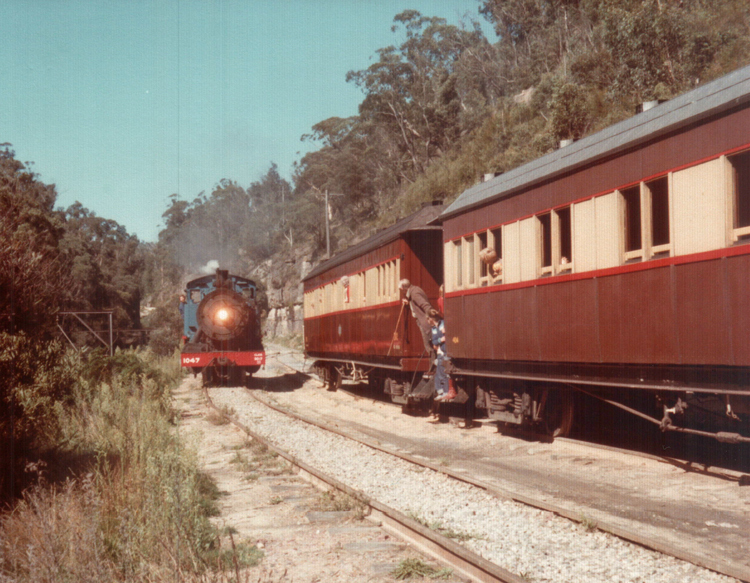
(121, 103)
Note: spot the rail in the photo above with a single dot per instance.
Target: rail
(716, 564)
(463, 561)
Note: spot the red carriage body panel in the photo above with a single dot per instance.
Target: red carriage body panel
(370, 324)
(684, 305)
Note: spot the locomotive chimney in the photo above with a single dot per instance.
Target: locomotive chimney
(222, 278)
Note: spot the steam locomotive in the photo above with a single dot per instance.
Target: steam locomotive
(615, 267)
(221, 323)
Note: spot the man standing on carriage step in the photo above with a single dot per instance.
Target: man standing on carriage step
(420, 307)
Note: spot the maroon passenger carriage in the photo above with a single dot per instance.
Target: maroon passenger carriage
(355, 324)
(625, 271)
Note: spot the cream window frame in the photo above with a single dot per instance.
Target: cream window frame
(557, 264)
(647, 209)
(381, 279)
(484, 277)
(491, 234)
(647, 250)
(545, 270)
(635, 254)
(458, 264)
(471, 256)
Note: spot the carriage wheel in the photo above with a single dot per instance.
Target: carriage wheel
(375, 384)
(334, 378)
(558, 412)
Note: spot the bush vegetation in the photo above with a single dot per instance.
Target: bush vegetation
(133, 505)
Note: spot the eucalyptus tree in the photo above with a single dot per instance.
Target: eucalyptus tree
(33, 278)
(32, 271)
(412, 104)
(349, 163)
(106, 266)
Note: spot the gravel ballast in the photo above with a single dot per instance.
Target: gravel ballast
(532, 543)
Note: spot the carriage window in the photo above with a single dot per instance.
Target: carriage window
(327, 303)
(632, 216)
(556, 241)
(741, 194)
(646, 220)
(658, 190)
(497, 243)
(483, 268)
(195, 296)
(564, 256)
(545, 229)
(396, 278)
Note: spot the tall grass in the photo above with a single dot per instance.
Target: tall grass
(139, 509)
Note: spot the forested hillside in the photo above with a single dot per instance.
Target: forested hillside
(441, 107)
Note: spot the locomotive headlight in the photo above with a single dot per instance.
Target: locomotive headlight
(222, 315)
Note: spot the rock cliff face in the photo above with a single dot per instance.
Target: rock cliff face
(282, 279)
(284, 321)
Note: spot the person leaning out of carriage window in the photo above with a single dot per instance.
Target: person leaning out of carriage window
(420, 307)
(443, 388)
(181, 308)
(345, 283)
(488, 255)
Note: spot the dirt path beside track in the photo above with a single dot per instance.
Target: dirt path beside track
(289, 520)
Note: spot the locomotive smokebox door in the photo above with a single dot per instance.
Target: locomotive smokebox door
(222, 314)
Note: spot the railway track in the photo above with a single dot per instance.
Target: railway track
(722, 473)
(448, 551)
(463, 561)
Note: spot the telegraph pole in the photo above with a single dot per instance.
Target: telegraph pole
(328, 231)
(326, 194)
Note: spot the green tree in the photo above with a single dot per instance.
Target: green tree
(228, 226)
(412, 101)
(107, 265)
(536, 35)
(659, 44)
(345, 164)
(33, 277)
(32, 272)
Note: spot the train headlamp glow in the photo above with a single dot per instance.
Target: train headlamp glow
(222, 315)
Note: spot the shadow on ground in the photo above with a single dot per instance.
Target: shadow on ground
(279, 384)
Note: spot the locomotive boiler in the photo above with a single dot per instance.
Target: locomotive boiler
(222, 325)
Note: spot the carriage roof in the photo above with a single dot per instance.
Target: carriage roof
(417, 221)
(689, 108)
